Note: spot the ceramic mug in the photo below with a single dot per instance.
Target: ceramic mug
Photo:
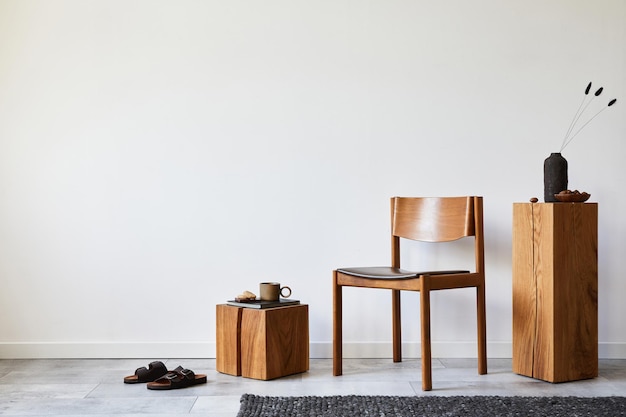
(272, 291)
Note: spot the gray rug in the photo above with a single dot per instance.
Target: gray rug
(385, 406)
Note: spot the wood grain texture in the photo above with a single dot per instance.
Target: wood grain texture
(228, 339)
(274, 342)
(555, 285)
(576, 285)
(524, 294)
(433, 219)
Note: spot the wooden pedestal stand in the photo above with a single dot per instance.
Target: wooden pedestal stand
(555, 290)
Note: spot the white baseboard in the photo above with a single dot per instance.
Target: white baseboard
(411, 350)
(443, 350)
(59, 350)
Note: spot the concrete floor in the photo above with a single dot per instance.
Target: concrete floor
(90, 387)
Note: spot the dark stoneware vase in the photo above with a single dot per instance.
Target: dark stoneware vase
(554, 176)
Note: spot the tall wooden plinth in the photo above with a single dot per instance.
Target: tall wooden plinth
(555, 290)
(262, 343)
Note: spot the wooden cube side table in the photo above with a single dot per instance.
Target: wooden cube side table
(270, 343)
(555, 290)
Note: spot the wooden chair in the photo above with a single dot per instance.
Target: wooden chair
(432, 219)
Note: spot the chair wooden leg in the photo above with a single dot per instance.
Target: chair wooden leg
(427, 377)
(337, 327)
(481, 318)
(396, 326)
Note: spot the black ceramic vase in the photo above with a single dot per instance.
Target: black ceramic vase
(554, 176)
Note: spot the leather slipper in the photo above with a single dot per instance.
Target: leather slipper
(178, 378)
(154, 371)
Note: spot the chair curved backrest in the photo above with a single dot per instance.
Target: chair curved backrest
(433, 219)
(437, 219)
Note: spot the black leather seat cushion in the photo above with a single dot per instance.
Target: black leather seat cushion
(387, 272)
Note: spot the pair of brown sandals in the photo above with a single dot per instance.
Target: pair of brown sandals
(158, 377)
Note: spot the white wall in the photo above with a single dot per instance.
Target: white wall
(158, 157)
